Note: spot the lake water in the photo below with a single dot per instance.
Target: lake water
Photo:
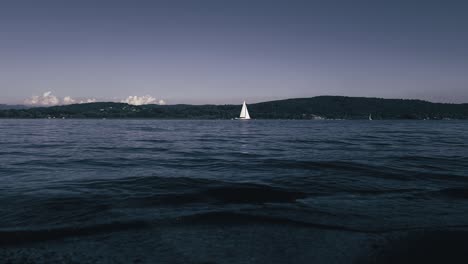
(72, 179)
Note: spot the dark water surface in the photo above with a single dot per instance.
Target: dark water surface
(71, 178)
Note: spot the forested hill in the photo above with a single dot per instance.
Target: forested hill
(321, 107)
(5, 106)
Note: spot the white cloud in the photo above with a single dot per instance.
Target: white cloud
(48, 99)
(68, 100)
(142, 100)
(89, 100)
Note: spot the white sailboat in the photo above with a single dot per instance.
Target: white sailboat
(370, 116)
(244, 114)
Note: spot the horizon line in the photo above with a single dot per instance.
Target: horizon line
(254, 102)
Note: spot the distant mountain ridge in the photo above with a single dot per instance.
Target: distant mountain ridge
(320, 107)
(5, 106)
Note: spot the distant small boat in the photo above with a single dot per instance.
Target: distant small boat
(244, 114)
(370, 116)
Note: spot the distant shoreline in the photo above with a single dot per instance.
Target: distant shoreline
(315, 108)
(211, 119)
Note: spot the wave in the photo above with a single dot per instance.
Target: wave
(15, 237)
(88, 200)
(177, 190)
(455, 193)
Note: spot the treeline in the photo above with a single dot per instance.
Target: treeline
(4, 106)
(321, 107)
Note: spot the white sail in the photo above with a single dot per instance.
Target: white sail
(244, 112)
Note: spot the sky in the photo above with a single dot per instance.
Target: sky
(222, 52)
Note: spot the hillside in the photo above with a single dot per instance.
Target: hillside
(5, 106)
(329, 107)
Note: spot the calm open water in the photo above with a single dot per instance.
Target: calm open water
(63, 177)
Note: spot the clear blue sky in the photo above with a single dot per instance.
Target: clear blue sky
(214, 51)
